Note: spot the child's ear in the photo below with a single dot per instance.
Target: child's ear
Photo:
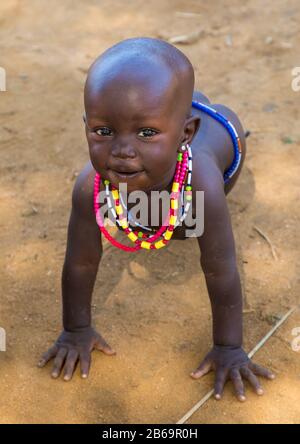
(191, 126)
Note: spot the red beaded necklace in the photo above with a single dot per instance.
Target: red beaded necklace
(143, 240)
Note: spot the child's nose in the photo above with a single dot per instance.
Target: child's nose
(123, 151)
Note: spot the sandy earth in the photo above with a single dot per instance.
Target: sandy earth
(152, 308)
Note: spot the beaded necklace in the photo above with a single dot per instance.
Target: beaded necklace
(184, 196)
(183, 169)
(183, 165)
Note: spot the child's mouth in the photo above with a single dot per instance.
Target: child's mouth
(126, 175)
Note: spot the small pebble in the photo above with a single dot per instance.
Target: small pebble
(270, 107)
(287, 140)
(29, 212)
(228, 40)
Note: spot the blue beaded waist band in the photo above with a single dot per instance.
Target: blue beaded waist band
(232, 132)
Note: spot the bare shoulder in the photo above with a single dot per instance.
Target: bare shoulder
(83, 191)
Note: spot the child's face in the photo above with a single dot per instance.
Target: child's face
(135, 129)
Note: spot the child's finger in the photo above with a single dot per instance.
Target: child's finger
(85, 363)
(58, 362)
(103, 346)
(49, 354)
(261, 371)
(250, 376)
(221, 376)
(70, 364)
(204, 368)
(238, 384)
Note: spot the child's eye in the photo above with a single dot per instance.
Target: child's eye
(104, 131)
(148, 132)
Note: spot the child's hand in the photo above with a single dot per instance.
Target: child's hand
(232, 363)
(75, 346)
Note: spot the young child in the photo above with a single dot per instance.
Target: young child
(148, 129)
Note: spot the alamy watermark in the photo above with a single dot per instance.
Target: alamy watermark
(296, 79)
(296, 341)
(159, 201)
(2, 340)
(2, 79)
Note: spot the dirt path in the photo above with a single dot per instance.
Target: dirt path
(243, 59)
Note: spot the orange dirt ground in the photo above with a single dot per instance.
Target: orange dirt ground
(152, 308)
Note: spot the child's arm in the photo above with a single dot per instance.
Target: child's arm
(218, 260)
(83, 255)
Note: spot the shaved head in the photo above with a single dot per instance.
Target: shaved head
(160, 68)
(138, 96)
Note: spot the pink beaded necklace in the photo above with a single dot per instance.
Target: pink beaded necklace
(143, 240)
